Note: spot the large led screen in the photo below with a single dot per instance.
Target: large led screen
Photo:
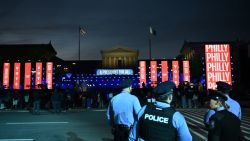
(6, 75)
(218, 65)
(16, 81)
(153, 73)
(38, 79)
(186, 71)
(142, 73)
(164, 71)
(49, 74)
(175, 70)
(27, 76)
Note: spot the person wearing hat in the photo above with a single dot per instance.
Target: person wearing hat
(223, 125)
(233, 105)
(122, 110)
(159, 121)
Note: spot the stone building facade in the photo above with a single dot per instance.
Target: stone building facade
(119, 57)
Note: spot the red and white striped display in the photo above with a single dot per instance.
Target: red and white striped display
(175, 70)
(27, 76)
(6, 75)
(164, 71)
(153, 73)
(186, 71)
(142, 73)
(49, 73)
(38, 79)
(16, 81)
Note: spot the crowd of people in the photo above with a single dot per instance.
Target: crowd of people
(140, 114)
(56, 100)
(187, 96)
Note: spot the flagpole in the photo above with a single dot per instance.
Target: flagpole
(79, 54)
(152, 33)
(149, 43)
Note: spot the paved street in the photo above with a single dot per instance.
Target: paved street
(84, 125)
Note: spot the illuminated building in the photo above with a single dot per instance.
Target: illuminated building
(118, 63)
(119, 57)
(23, 60)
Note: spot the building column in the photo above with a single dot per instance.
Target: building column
(109, 61)
(125, 61)
(103, 61)
(130, 60)
(106, 61)
(134, 60)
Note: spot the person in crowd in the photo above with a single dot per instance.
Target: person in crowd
(183, 92)
(159, 121)
(223, 125)
(68, 99)
(99, 100)
(27, 99)
(56, 100)
(201, 94)
(15, 99)
(122, 111)
(36, 102)
(234, 106)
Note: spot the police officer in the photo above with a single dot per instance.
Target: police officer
(234, 106)
(122, 110)
(223, 125)
(159, 121)
(36, 102)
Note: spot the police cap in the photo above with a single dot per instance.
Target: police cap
(217, 95)
(164, 88)
(223, 86)
(126, 83)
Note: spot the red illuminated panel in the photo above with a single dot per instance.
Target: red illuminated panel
(153, 73)
(164, 71)
(27, 76)
(49, 73)
(16, 81)
(142, 73)
(38, 74)
(175, 69)
(186, 71)
(218, 66)
(6, 75)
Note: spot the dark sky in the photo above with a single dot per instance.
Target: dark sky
(122, 22)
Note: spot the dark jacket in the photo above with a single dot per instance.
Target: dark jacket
(224, 126)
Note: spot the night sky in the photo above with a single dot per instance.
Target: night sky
(122, 22)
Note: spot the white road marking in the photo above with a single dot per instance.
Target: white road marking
(198, 134)
(9, 123)
(98, 110)
(16, 139)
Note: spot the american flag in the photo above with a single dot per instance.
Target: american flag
(152, 31)
(82, 32)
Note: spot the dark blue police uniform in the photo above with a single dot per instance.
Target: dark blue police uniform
(223, 125)
(159, 121)
(122, 111)
(234, 106)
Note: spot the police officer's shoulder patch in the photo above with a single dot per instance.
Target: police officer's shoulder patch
(211, 124)
(158, 108)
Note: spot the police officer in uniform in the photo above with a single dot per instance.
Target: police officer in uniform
(158, 121)
(122, 110)
(233, 105)
(223, 125)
